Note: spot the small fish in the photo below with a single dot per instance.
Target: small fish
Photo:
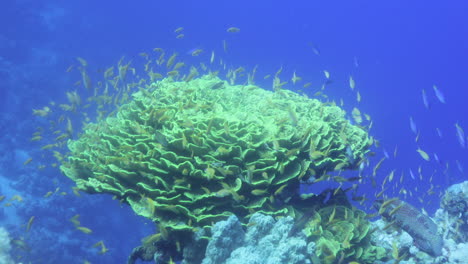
(295, 78)
(387, 203)
(223, 193)
(423, 154)
(316, 155)
(352, 84)
(436, 158)
(76, 191)
(75, 220)
(356, 115)
(327, 74)
(358, 96)
(280, 189)
(19, 243)
(386, 154)
(180, 36)
(258, 192)
(424, 97)
(82, 61)
(84, 230)
(439, 94)
(459, 166)
(103, 247)
(340, 166)
(69, 128)
(42, 112)
(149, 205)
(16, 197)
(179, 29)
(315, 49)
(416, 139)
(233, 30)
(368, 117)
(86, 80)
(171, 60)
(349, 155)
(439, 132)
(391, 175)
(413, 125)
(212, 57)
(332, 215)
(339, 179)
(210, 173)
(28, 226)
(401, 176)
(377, 166)
(356, 62)
(460, 135)
(196, 52)
(394, 210)
(27, 161)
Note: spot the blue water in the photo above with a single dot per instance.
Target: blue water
(393, 50)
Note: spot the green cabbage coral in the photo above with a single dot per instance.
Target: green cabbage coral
(342, 233)
(187, 154)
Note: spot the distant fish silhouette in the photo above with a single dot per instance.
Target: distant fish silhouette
(439, 94)
(413, 125)
(460, 135)
(425, 100)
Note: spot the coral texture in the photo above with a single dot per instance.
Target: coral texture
(265, 242)
(188, 154)
(455, 204)
(5, 247)
(341, 232)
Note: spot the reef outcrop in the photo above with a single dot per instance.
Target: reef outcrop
(189, 154)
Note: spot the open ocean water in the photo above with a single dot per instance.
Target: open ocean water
(402, 64)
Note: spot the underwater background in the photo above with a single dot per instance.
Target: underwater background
(393, 50)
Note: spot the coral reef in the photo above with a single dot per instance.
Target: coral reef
(342, 232)
(5, 247)
(265, 242)
(226, 237)
(188, 154)
(332, 231)
(454, 212)
(446, 229)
